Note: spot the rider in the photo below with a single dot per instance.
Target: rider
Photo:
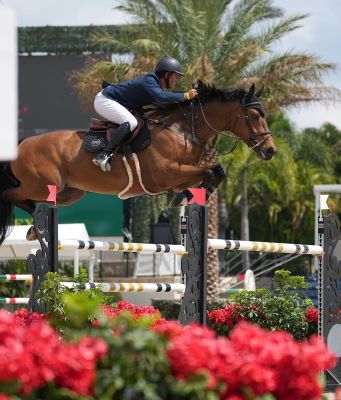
(113, 102)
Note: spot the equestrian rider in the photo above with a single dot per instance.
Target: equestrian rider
(114, 102)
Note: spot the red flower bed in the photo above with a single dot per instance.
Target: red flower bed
(34, 355)
(250, 358)
(229, 315)
(24, 318)
(136, 311)
(250, 362)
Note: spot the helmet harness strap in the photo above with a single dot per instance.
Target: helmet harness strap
(166, 77)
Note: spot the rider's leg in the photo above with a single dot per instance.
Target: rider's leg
(103, 159)
(114, 112)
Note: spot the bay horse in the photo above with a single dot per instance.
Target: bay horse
(171, 162)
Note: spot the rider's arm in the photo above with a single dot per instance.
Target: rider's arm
(155, 91)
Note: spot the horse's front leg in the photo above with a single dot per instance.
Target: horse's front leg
(216, 176)
(207, 177)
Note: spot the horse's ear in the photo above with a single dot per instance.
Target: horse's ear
(252, 90)
(258, 94)
(250, 93)
(197, 84)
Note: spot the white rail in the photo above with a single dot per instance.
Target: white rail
(266, 247)
(131, 287)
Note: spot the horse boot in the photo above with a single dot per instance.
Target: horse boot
(103, 159)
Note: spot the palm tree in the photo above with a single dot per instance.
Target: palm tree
(218, 44)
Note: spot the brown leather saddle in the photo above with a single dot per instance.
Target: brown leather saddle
(102, 131)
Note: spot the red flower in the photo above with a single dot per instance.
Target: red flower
(229, 315)
(264, 362)
(170, 329)
(136, 311)
(24, 318)
(34, 356)
(312, 315)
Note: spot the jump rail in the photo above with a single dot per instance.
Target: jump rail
(193, 265)
(15, 277)
(193, 305)
(120, 247)
(131, 287)
(14, 300)
(267, 247)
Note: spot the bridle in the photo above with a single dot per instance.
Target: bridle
(256, 139)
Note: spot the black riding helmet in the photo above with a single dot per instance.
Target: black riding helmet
(168, 64)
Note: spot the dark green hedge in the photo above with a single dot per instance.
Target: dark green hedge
(71, 39)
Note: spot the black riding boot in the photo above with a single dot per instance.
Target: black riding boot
(103, 159)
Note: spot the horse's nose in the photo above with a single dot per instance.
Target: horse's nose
(271, 151)
(268, 152)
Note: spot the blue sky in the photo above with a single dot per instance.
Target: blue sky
(320, 35)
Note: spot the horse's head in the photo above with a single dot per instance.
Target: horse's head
(250, 125)
(241, 113)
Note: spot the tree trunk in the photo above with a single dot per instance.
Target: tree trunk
(244, 228)
(145, 212)
(212, 256)
(223, 223)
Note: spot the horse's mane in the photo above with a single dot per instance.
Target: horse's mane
(207, 93)
(210, 92)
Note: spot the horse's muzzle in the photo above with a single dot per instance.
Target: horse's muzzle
(267, 152)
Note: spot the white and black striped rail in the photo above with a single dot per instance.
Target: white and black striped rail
(266, 247)
(131, 287)
(120, 246)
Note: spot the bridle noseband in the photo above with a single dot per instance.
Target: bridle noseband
(254, 141)
(254, 136)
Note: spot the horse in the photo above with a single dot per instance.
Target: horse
(179, 136)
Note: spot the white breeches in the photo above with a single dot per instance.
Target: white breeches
(113, 111)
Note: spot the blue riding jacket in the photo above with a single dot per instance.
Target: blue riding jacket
(140, 92)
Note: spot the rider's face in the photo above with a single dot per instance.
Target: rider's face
(173, 79)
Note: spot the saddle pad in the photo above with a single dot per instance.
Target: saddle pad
(96, 140)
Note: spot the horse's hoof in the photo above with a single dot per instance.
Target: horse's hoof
(178, 200)
(181, 199)
(31, 234)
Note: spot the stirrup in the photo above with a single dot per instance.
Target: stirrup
(103, 163)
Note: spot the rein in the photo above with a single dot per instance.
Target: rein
(253, 135)
(253, 138)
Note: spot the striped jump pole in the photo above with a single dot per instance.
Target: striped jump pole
(131, 287)
(266, 247)
(120, 247)
(14, 300)
(16, 277)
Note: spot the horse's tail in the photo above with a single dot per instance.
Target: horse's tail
(6, 208)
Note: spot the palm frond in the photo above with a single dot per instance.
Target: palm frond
(244, 16)
(294, 78)
(88, 80)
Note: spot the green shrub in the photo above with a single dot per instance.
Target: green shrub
(284, 308)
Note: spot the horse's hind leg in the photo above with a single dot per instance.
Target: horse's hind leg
(69, 196)
(65, 197)
(17, 197)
